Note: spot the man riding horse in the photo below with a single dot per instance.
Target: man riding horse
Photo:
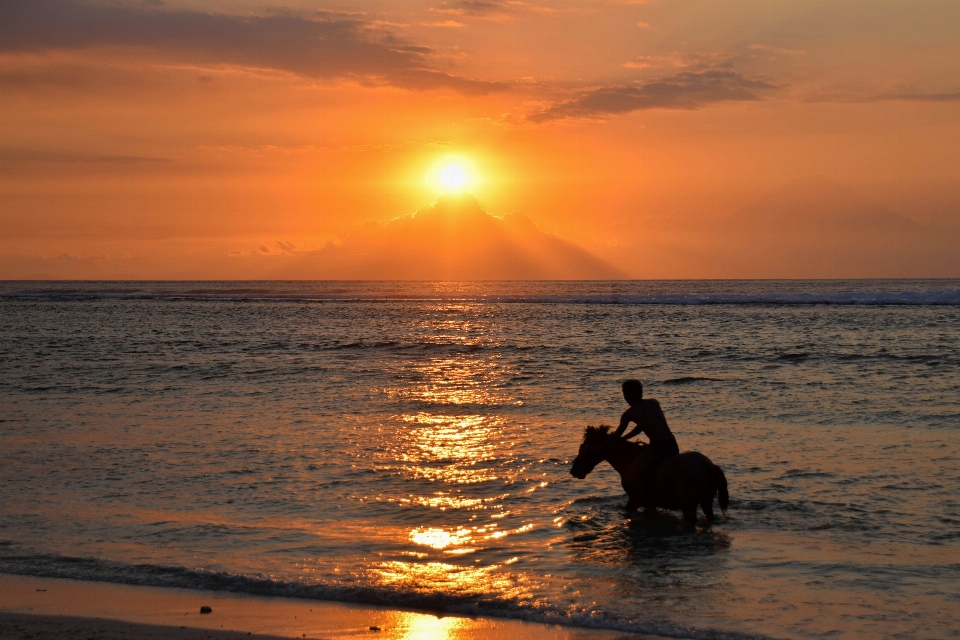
(655, 475)
(649, 418)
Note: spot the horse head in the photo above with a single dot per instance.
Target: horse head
(591, 451)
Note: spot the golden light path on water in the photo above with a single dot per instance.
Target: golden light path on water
(450, 449)
(454, 452)
(424, 627)
(450, 578)
(456, 381)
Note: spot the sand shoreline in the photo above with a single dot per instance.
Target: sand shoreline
(61, 608)
(20, 626)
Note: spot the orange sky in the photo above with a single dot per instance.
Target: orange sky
(229, 139)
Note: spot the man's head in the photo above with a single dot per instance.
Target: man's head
(632, 392)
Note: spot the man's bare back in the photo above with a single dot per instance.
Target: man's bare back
(649, 419)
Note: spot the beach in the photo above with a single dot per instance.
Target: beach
(52, 608)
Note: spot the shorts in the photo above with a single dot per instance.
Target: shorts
(664, 450)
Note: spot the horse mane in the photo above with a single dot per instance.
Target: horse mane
(600, 430)
(592, 432)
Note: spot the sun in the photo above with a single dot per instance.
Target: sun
(453, 176)
(452, 173)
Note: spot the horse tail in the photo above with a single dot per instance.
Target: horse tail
(721, 481)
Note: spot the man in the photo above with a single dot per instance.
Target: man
(650, 420)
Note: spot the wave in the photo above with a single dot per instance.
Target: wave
(949, 297)
(52, 566)
(691, 380)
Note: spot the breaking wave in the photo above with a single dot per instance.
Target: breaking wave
(537, 293)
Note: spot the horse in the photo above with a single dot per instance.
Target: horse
(682, 482)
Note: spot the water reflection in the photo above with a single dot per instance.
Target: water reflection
(660, 538)
(449, 449)
(442, 539)
(451, 579)
(456, 540)
(419, 626)
(443, 501)
(464, 453)
(457, 380)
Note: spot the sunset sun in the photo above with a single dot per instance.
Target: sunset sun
(453, 176)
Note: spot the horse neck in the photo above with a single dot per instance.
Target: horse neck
(622, 457)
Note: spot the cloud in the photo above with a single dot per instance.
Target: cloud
(326, 46)
(445, 23)
(483, 9)
(923, 97)
(869, 95)
(786, 52)
(645, 62)
(14, 155)
(684, 90)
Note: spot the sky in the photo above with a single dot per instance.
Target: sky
(172, 139)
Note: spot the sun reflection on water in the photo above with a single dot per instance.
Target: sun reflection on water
(457, 380)
(443, 539)
(440, 538)
(442, 577)
(442, 501)
(449, 449)
(466, 459)
(418, 626)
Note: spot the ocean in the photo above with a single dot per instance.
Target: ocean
(409, 444)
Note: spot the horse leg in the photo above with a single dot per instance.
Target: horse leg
(707, 505)
(634, 494)
(690, 513)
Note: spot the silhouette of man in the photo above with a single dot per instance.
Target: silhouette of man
(650, 420)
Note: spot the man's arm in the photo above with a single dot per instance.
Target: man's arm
(637, 429)
(625, 420)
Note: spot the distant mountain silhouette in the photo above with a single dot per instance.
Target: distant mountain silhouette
(810, 228)
(818, 206)
(455, 239)
(817, 228)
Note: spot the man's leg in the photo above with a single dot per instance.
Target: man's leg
(656, 454)
(640, 477)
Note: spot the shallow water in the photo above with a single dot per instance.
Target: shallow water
(410, 444)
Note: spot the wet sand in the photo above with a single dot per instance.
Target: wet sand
(41, 608)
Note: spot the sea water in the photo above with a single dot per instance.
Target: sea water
(409, 444)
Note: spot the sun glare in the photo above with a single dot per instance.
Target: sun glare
(453, 176)
(453, 173)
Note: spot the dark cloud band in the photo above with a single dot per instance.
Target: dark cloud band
(328, 46)
(685, 90)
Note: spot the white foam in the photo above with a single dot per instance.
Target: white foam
(916, 298)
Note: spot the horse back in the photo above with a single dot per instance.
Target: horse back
(683, 478)
(689, 464)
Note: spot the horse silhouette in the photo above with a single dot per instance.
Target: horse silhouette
(681, 482)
